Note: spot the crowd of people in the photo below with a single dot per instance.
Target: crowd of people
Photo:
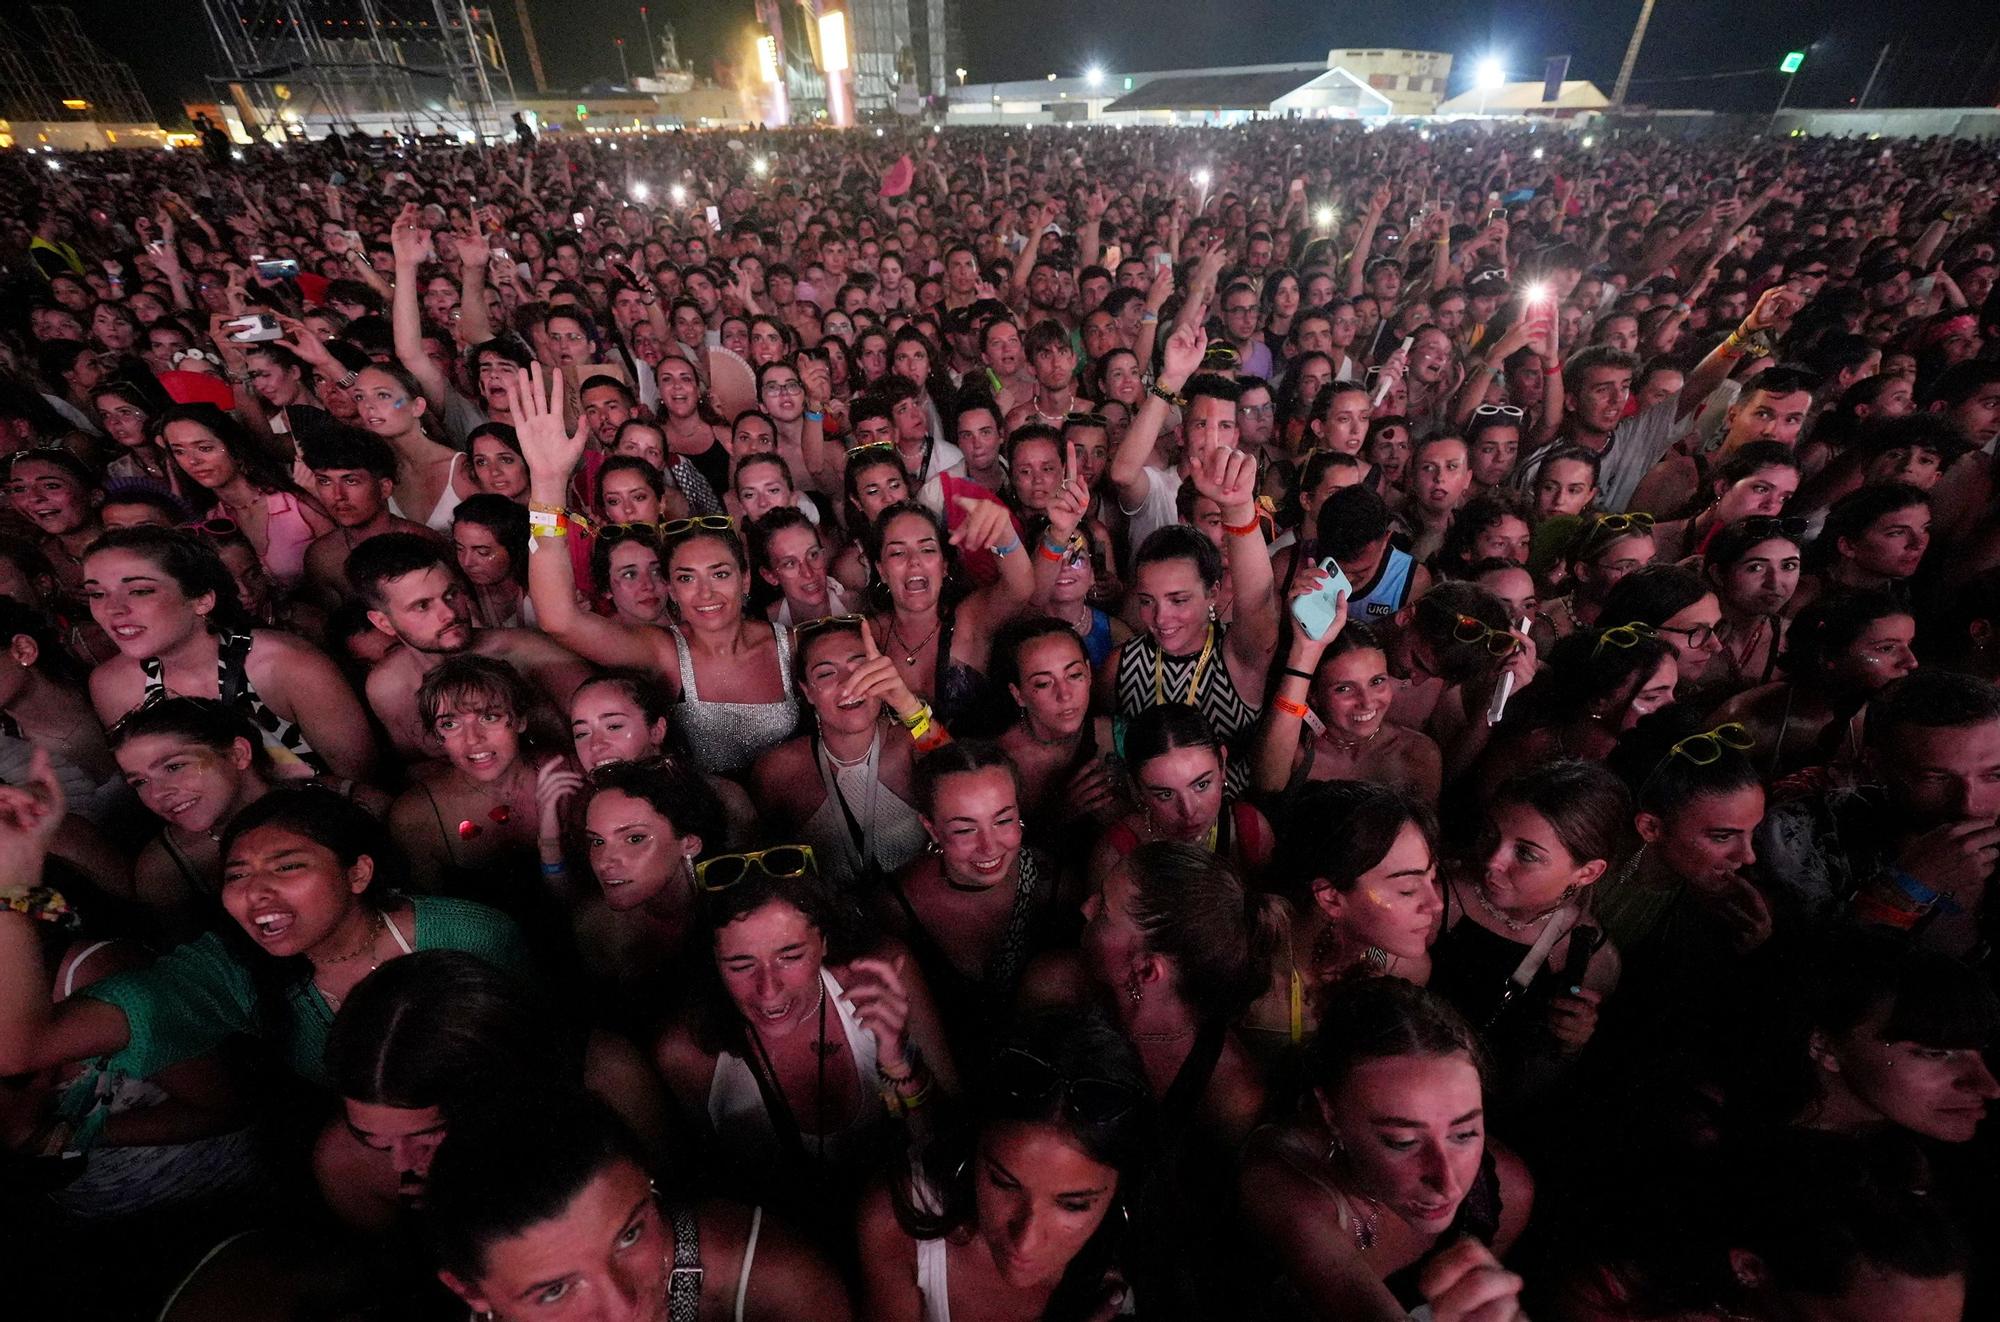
(1279, 722)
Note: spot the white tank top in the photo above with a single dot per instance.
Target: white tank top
(736, 1107)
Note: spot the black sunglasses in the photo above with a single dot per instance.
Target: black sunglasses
(1030, 1081)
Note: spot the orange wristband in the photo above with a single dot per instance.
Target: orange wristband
(1290, 708)
(1245, 530)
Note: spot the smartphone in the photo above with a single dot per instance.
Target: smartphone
(1382, 391)
(1497, 213)
(1583, 942)
(353, 237)
(1497, 708)
(1162, 261)
(1314, 610)
(277, 268)
(256, 328)
(576, 220)
(714, 220)
(156, 247)
(1113, 255)
(499, 255)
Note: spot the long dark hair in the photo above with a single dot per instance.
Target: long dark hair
(335, 823)
(1193, 908)
(1076, 1045)
(443, 1028)
(190, 561)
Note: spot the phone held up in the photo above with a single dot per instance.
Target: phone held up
(1314, 610)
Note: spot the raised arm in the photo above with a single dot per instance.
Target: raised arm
(412, 243)
(474, 325)
(1229, 478)
(988, 526)
(552, 455)
(1357, 261)
(1128, 463)
(1278, 736)
(1773, 310)
(35, 1034)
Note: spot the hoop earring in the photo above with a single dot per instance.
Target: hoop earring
(932, 848)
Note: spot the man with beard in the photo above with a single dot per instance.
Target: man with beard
(354, 476)
(413, 593)
(1914, 848)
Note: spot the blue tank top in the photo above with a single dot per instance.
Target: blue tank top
(1392, 585)
(1097, 643)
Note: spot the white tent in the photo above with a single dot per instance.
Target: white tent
(1526, 99)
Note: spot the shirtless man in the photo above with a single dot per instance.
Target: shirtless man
(413, 593)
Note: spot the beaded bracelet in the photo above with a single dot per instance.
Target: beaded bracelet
(42, 903)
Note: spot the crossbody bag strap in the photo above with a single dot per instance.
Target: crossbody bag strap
(684, 1281)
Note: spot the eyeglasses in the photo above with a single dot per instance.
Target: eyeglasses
(701, 522)
(785, 387)
(1499, 642)
(805, 630)
(1622, 635)
(781, 862)
(1499, 411)
(1030, 1081)
(1265, 410)
(1698, 636)
(1706, 748)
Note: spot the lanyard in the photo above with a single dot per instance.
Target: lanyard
(1194, 684)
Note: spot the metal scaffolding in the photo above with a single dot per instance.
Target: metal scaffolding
(421, 65)
(65, 66)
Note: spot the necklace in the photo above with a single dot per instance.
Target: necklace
(367, 944)
(1178, 1035)
(1367, 1221)
(1512, 924)
(910, 652)
(1351, 746)
(844, 761)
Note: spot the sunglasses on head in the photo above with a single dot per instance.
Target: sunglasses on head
(870, 447)
(780, 861)
(699, 523)
(613, 533)
(1499, 411)
(1030, 1081)
(1620, 523)
(1767, 525)
(805, 630)
(1705, 748)
(1499, 642)
(1623, 635)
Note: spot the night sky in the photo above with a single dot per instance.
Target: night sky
(1948, 51)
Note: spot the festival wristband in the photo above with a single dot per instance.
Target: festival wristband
(1243, 530)
(1290, 708)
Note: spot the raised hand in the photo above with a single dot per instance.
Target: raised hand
(881, 1001)
(987, 524)
(555, 784)
(30, 816)
(1228, 477)
(1185, 349)
(1777, 306)
(410, 240)
(1070, 502)
(877, 677)
(551, 451)
(304, 341)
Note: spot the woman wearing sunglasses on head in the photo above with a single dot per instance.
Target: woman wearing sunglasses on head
(217, 453)
(805, 1048)
(846, 789)
(1839, 650)
(742, 664)
(1683, 910)
(1023, 1214)
(1601, 549)
(1383, 1191)
(169, 604)
(1757, 482)
(543, 1207)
